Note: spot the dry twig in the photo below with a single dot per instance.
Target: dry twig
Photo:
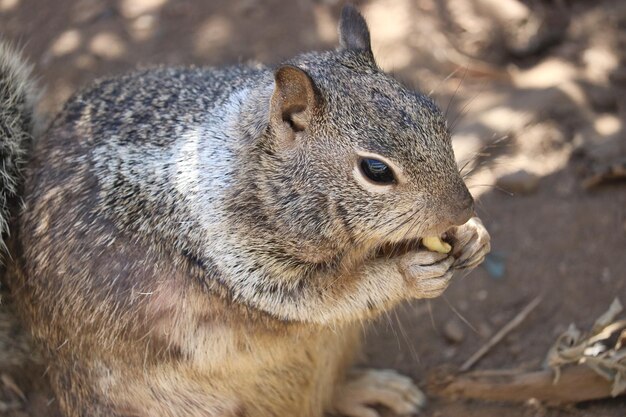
(577, 383)
(510, 326)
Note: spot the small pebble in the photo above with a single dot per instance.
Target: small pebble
(449, 352)
(498, 319)
(481, 295)
(453, 331)
(484, 330)
(495, 265)
(519, 182)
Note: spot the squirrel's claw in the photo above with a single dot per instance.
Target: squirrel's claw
(427, 273)
(365, 388)
(473, 243)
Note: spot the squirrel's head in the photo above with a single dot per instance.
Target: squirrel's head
(342, 164)
(353, 157)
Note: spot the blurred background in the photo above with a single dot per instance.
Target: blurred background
(535, 94)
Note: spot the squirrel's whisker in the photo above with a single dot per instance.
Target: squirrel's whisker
(463, 112)
(445, 114)
(403, 332)
(431, 92)
(459, 315)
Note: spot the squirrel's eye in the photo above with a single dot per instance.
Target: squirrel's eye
(377, 171)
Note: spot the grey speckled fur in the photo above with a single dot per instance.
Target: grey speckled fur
(201, 242)
(17, 122)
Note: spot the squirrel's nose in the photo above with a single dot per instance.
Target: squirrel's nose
(464, 207)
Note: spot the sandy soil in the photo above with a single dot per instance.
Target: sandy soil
(536, 85)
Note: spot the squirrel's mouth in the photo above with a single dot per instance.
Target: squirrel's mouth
(393, 249)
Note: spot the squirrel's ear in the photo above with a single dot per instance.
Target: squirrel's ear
(294, 100)
(353, 31)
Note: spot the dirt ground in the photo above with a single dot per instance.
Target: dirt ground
(534, 85)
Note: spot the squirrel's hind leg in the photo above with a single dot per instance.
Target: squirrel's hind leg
(366, 388)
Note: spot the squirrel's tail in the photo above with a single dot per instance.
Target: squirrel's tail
(17, 123)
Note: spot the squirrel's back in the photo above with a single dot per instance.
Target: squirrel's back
(150, 104)
(143, 137)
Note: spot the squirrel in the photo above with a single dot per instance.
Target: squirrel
(209, 242)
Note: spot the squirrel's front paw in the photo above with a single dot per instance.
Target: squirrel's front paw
(366, 388)
(427, 273)
(472, 244)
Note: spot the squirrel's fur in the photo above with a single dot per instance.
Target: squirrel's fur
(17, 123)
(200, 242)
